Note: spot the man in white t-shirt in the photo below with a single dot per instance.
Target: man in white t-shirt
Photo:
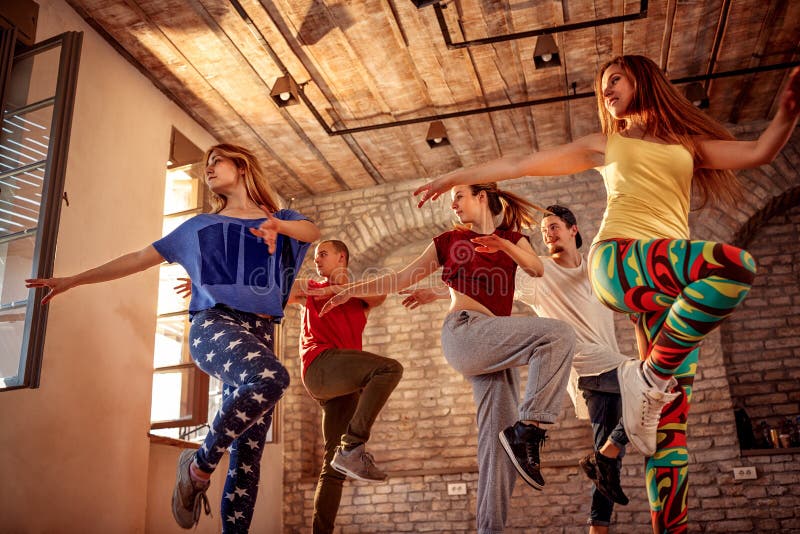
(564, 292)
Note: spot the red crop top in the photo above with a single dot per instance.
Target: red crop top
(486, 277)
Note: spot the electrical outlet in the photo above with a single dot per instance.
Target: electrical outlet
(456, 488)
(744, 473)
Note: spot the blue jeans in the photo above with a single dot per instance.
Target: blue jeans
(605, 413)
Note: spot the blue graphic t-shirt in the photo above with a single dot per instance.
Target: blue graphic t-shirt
(229, 265)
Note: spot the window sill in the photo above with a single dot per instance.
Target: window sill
(172, 442)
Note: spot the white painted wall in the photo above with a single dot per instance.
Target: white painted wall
(75, 452)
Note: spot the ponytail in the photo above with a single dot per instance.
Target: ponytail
(517, 212)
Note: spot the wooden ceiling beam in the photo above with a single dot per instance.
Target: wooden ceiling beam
(210, 49)
(127, 24)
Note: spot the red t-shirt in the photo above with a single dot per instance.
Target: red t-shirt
(486, 277)
(340, 329)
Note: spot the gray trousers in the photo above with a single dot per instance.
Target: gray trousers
(488, 350)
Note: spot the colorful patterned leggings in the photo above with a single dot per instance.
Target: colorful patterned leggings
(236, 348)
(677, 291)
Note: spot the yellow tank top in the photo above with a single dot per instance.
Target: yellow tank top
(648, 187)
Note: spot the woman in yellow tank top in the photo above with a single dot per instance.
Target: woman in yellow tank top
(654, 147)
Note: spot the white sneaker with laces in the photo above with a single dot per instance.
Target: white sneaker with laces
(642, 405)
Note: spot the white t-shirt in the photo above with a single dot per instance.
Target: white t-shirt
(566, 294)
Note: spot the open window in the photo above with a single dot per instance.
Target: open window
(182, 393)
(37, 92)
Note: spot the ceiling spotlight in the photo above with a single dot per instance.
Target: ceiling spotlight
(546, 52)
(696, 94)
(285, 91)
(437, 135)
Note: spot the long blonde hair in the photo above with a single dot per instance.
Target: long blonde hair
(517, 212)
(258, 188)
(666, 114)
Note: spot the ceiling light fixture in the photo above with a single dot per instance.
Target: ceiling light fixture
(546, 52)
(285, 91)
(696, 94)
(437, 135)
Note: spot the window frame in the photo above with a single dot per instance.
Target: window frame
(197, 393)
(34, 330)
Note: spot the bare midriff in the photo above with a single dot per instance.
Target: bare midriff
(460, 302)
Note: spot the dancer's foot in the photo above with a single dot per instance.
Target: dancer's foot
(604, 472)
(522, 443)
(642, 405)
(357, 463)
(189, 496)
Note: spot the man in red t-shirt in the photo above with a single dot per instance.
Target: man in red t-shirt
(351, 385)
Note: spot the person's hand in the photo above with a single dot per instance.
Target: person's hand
(268, 230)
(433, 190)
(55, 285)
(320, 293)
(418, 297)
(489, 244)
(184, 289)
(790, 99)
(337, 300)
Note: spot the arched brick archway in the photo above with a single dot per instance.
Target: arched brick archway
(387, 227)
(761, 342)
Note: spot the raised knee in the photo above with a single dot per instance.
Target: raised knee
(565, 333)
(749, 263)
(274, 377)
(396, 368)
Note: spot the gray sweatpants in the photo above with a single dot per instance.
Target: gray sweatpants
(487, 350)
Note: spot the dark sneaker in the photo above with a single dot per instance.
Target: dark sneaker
(604, 472)
(189, 496)
(357, 463)
(522, 443)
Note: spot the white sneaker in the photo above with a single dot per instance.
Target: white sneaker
(642, 405)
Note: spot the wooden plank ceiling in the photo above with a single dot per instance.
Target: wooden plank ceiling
(370, 63)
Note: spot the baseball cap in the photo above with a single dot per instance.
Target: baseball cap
(568, 217)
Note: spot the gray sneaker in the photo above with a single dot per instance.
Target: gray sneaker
(189, 496)
(357, 463)
(642, 405)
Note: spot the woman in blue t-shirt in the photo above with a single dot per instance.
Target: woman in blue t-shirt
(239, 289)
(484, 343)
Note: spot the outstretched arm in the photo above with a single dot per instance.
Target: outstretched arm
(117, 268)
(717, 154)
(580, 155)
(424, 265)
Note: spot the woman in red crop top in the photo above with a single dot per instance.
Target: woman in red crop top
(655, 146)
(485, 344)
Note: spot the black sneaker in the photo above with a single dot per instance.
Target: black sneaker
(604, 472)
(522, 443)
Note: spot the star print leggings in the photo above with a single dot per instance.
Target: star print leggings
(677, 292)
(237, 348)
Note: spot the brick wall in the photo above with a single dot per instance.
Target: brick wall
(762, 340)
(426, 435)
